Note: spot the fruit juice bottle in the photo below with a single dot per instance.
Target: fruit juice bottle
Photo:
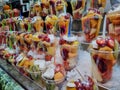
(91, 24)
(104, 53)
(78, 7)
(69, 51)
(63, 22)
(51, 24)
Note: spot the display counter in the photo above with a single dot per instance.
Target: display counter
(84, 61)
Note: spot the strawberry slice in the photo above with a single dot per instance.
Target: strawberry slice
(58, 67)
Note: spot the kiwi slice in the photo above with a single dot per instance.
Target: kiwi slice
(36, 72)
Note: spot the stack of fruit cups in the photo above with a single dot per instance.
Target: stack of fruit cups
(69, 51)
(54, 75)
(104, 55)
(78, 7)
(51, 24)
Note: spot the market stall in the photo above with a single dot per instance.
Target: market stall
(61, 45)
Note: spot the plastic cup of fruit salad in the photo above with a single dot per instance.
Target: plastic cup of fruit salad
(69, 51)
(49, 43)
(104, 55)
(63, 22)
(35, 71)
(60, 6)
(78, 8)
(54, 75)
(91, 24)
(78, 84)
(51, 23)
(37, 24)
(113, 22)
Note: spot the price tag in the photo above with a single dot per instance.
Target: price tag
(20, 57)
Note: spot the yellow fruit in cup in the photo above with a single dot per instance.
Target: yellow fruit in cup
(58, 76)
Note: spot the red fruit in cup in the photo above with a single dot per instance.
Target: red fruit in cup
(64, 53)
(48, 57)
(26, 26)
(111, 43)
(62, 41)
(78, 85)
(58, 68)
(47, 39)
(66, 17)
(16, 12)
(101, 42)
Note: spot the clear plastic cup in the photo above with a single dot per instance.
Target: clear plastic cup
(100, 5)
(91, 24)
(60, 6)
(69, 51)
(44, 8)
(86, 83)
(64, 22)
(37, 24)
(104, 55)
(36, 76)
(113, 23)
(78, 8)
(51, 24)
(58, 77)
